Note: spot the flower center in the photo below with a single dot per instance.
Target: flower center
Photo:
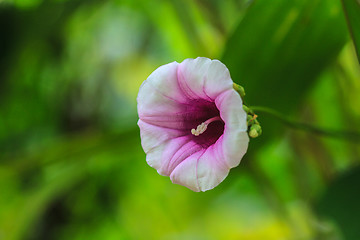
(203, 126)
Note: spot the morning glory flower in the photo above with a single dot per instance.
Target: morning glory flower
(192, 123)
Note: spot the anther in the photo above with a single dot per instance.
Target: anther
(203, 126)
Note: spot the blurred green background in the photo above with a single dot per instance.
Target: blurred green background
(71, 163)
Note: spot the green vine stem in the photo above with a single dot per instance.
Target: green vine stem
(342, 134)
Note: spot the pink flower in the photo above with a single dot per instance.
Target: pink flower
(192, 124)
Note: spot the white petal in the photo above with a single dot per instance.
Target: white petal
(235, 137)
(211, 167)
(164, 80)
(178, 150)
(152, 136)
(218, 79)
(235, 145)
(231, 109)
(167, 156)
(203, 78)
(160, 94)
(151, 102)
(186, 172)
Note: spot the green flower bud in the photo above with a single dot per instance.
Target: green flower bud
(255, 131)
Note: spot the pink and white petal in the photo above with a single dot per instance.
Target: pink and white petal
(231, 110)
(235, 143)
(151, 102)
(185, 173)
(177, 151)
(172, 121)
(235, 138)
(211, 168)
(154, 156)
(164, 81)
(191, 77)
(153, 136)
(217, 79)
(203, 78)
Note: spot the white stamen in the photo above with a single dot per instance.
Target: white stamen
(203, 126)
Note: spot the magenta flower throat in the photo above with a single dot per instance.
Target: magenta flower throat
(192, 124)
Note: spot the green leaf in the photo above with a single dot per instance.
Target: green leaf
(278, 50)
(352, 13)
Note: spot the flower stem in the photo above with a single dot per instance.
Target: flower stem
(342, 134)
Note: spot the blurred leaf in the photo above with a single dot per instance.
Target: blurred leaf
(341, 203)
(277, 52)
(50, 173)
(352, 13)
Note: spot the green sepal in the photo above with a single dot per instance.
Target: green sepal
(239, 89)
